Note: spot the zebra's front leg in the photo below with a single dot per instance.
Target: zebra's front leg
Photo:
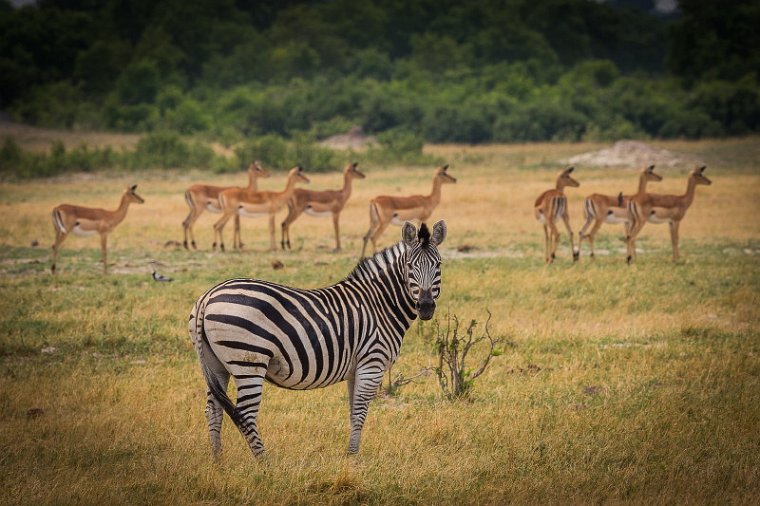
(362, 389)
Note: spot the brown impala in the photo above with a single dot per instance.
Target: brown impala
(241, 202)
(200, 197)
(600, 209)
(320, 203)
(550, 206)
(88, 221)
(669, 209)
(385, 210)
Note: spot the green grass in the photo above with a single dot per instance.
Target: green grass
(615, 383)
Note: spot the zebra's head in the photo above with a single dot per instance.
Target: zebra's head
(423, 265)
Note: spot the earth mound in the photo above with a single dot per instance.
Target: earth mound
(633, 154)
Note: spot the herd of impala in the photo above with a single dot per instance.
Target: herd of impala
(634, 211)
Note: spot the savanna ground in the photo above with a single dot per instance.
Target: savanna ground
(614, 384)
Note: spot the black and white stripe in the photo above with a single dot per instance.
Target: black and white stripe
(254, 330)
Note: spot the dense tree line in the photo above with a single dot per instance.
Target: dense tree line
(438, 70)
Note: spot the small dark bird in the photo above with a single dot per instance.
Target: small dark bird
(277, 265)
(160, 277)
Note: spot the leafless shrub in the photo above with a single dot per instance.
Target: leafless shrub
(395, 384)
(454, 377)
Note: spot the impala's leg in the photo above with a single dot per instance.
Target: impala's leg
(378, 232)
(272, 239)
(576, 251)
(554, 236)
(293, 213)
(631, 243)
(219, 229)
(547, 244)
(104, 252)
(187, 226)
(368, 378)
(591, 236)
(674, 239)
(59, 238)
(374, 223)
(238, 239)
(336, 227)
(249, 387)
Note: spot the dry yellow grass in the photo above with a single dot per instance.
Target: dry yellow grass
(616, 384)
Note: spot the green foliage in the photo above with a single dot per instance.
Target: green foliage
(476, 72)
(168, 150)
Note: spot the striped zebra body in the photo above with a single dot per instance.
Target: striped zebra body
(258, 331)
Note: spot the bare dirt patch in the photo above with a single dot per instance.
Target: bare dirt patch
(633, 154)
(353, 139)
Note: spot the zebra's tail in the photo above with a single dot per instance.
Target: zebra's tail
(200, 341)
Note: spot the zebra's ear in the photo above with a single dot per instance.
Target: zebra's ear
(409, 233)
(439, 233)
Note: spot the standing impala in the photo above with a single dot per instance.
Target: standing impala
(551, 206)
(320, 203)
(240, 202)
(385, 210)
(669, 209)
(600, 209)
(200, 197)
(88, 221)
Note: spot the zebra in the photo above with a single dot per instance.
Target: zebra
(255, 330)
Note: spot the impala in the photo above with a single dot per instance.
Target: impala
(669, 209)
(320, 203)
(240, 202)
(600, 209)
(551, 206)
(200, 197)
(88, 221)
(385, 210)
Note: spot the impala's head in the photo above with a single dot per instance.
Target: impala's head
(650, 174)
(132, 196)
(565, 179)
(257, 170)
(352, 171)
(296, 173)
(443, 175)
(698, 174)
(423, 265)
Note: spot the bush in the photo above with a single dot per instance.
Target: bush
(167, 150)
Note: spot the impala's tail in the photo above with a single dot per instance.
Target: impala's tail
(58, 222)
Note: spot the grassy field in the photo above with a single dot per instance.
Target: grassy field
(615, 383)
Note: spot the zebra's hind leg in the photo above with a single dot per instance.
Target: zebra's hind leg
(249, 388)
(362, 389)
(214, 416)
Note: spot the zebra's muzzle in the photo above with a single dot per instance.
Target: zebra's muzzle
(425, 308)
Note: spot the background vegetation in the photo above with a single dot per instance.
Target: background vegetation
(614, 384)
(439, 71)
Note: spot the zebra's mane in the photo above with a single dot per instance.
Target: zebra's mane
(378, 261)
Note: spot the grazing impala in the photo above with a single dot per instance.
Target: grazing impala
(200, 197)
(600, 209)
(320, 203)
(240, 202)
(551, 206)
(88, 221)
(669, 209)
(385, 210)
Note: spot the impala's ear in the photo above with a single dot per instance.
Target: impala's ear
(133, 187)
(650, 168)
(569, 170)
(439, 233)
(355, 164)
(445, 167)
(409, 233)
(702, 168)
